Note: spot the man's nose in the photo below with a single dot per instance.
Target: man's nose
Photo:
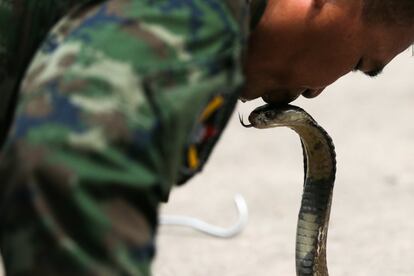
(312, 93)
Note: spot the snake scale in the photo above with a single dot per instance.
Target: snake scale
(320, 168)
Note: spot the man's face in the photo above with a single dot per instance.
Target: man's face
(299, 48)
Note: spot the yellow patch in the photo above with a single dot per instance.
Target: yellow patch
(216, 103)
(193, 160)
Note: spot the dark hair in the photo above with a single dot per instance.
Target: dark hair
(395, 12)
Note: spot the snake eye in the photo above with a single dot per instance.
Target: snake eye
(268, 114)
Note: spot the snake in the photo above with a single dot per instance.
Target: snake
(319, 177)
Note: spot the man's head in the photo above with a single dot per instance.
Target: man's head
(302, 46)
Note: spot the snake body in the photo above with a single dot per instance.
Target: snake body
(320, 168)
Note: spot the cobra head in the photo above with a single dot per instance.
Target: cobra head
(268, 116)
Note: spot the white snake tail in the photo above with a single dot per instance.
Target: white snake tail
(209, 229)
(320, 169)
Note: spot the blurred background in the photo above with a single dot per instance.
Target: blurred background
(372, 228)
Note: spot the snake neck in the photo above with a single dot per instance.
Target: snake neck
(320, 167)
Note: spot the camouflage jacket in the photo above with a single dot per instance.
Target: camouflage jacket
(24, 27)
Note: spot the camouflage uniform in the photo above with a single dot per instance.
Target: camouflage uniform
(123, 99)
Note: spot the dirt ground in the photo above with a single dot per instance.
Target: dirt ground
(372, 225)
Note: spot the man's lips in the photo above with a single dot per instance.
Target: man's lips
(280, 97)
(285, 96)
